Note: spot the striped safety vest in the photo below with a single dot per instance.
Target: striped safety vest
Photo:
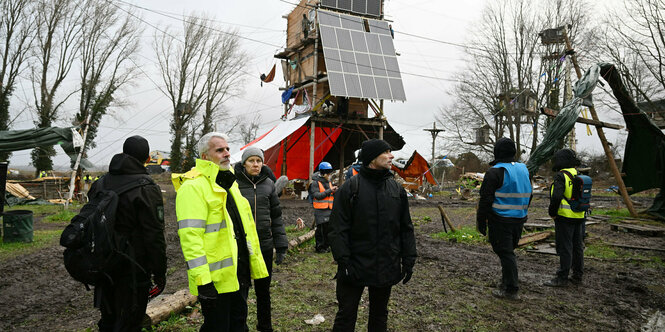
(564, 207)
(512, 198)
(325, 203)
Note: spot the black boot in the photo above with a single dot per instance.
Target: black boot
(556, 282)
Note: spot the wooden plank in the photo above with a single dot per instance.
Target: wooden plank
(543, 249)
(635, 247)
(534, 237)
(553, 113)
(639, 229)
(534, 226)
(162, 307)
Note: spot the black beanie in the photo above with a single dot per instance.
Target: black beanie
(564, 158)
(504, 151)
(372, 149)
(137, 147)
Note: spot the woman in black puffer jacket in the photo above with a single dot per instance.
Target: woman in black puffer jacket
(257, 185)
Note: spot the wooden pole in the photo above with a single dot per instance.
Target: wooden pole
(312, 129)
(601, 136)
(341, 157)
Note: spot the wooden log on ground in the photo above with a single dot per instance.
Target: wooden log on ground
(162, 307)
(445, 218)
(639, 229)
(300, 239)
(534, 237)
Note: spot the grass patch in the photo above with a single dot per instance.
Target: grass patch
(40, 239)
(175, 322)
(600, 250)
(60, 217)
(467, 234)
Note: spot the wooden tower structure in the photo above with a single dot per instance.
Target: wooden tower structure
(339, 66)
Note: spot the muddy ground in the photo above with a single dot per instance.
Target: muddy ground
(452, 281)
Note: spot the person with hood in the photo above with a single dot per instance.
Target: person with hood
(217, 236)
(321, 191)
(257, 184)
(140, 220)
(568, 224)
(372, 239)
(505, 196)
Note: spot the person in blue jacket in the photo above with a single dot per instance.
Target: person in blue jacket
(505, 196)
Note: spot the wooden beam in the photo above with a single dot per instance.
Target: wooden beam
(553, 113)
(162, 307)
(366, 122)
(445, 219)
(534, 237)
(601, 135)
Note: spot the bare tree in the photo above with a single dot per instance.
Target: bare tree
(200, 71)
(635, 42)
(248, 129)
(505, 63)
(16, 36)
(57, 43)
(109, 39)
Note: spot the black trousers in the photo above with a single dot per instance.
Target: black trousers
(569, 238)
(504, 237)
(122, 307)
(321, 236)
(348, 297)
(262, 290)
(228, 312)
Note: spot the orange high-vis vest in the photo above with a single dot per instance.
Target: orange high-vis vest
(323, 204)
(353, 171)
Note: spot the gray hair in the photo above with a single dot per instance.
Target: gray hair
(205, 140)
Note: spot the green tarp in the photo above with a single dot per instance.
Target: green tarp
(564, 121)
(16, 140)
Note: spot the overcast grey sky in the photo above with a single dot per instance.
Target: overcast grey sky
(427, 68)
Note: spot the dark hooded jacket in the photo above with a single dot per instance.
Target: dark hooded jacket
(504, 152)
(140, 214)
(371, 232)
(564, 158)
(260, 192)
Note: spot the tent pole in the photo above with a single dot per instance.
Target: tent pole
(72, 180)
(601, 136)
(286, 144)
(312, 130)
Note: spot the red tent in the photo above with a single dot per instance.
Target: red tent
(293, 137)
(415, 170)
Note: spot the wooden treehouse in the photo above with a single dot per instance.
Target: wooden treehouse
(339, 66)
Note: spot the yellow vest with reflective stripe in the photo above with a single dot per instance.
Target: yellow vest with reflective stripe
(564, 207)
(206, 230)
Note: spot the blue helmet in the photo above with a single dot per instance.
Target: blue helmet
(325, 165)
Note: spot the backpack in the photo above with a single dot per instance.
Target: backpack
(93, 250)
(581, 195)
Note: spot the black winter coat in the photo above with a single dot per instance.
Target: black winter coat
(373, 235)
(260, 192)
(140, 214)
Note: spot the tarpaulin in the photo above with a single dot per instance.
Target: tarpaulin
(16, 140)
(294, 135)
(644, 157)
(564, 121)
(416, 167)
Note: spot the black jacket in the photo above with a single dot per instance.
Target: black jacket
(321, 216)
(260, 192)
(492, 181)
(373, 235)
(140, 215)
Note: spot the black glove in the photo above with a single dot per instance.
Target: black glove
(207, 292)
(280, 254)
(406, 274)
(481, 226)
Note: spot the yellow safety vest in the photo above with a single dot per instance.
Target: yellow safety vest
(564, 207)
(206, 230)
(325, 203)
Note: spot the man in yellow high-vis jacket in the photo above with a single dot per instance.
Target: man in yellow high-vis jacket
(218, 237)
(568, 224)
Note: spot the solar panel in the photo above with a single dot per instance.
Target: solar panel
(362, 7)
(359, 64)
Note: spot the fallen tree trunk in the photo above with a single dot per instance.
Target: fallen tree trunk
(534, 237)
(300, 239)
(162, 307)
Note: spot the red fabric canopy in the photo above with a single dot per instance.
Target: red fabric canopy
(416, 168)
